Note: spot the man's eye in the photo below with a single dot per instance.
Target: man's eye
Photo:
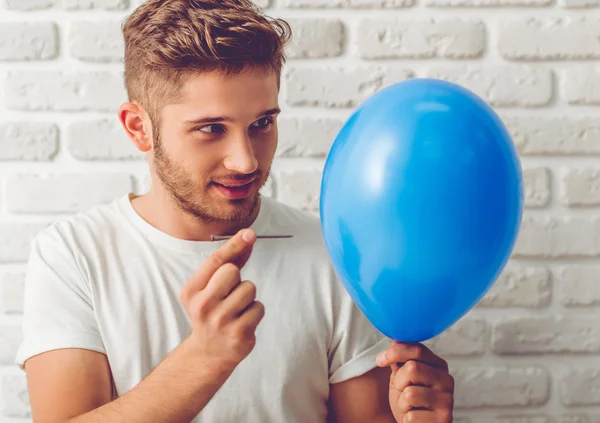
(212, 129)
(263, 122)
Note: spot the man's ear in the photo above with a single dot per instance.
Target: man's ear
(134, 120)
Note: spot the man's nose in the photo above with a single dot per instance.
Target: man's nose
(240, 156)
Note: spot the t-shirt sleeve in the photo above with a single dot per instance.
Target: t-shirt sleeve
(356, 342)
(58, 311)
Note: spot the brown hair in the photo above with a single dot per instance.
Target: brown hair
(165, 40)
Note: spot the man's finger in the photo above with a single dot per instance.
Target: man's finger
(421, 398)
(415, 373)
(239, 299)
(424, 416)
(223, 281)
(236, 250)
(401, 353)
(252, 316)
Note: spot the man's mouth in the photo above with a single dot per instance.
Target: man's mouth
(236, 184)
(235, 190)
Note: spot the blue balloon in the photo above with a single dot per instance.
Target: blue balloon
(421, 203)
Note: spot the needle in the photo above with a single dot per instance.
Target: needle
(223, 237)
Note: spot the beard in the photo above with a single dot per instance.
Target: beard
(195, 200)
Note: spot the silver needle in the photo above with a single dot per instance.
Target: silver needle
(224, 237)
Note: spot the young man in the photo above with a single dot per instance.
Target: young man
(133, 315)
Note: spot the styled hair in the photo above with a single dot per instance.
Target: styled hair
(166, 40)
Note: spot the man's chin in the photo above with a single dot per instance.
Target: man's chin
(234, 210)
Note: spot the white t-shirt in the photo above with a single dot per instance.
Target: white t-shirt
(108, 281)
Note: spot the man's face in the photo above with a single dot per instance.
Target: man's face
(215, 145)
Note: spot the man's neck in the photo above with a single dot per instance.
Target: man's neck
(160, 211)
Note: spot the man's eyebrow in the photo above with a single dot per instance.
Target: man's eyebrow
(215, 119)
(269, 112)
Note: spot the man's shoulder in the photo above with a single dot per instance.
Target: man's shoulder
(83, 226)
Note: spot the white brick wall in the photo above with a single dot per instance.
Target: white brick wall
(529, 352)
(96, 41)
(541, 39)
(447, 38)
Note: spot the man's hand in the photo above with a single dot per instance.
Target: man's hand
(421, 389)
(222, 309)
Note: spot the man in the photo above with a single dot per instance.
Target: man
(133, 315)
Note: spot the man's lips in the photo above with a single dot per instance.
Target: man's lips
(235, 192)
(235, 189)
(235, 183)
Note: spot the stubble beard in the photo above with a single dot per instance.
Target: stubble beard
(183, 191)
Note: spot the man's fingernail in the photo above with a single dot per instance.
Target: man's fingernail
(248, 235)
(381, 358)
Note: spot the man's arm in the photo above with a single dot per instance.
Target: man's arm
(66, 383)
(362, 399)
(74, 385)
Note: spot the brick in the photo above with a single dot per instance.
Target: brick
(580, 387)
(67, 4)
(307, 137)
(502, 86)
(557, 135)
(360, 4)
(578, 4)
(581, 86)
(537, 187)
(520, 286)
(466, 338)
(28, 41)
(14, 395)
(578, 285)
(549, 39)
(338, 87)
(16, 239)
(579, 418)
(315, 38)
(488, 3)
(299, 189)
(421, 39)
(10, 338)
(553, 237)
(546, 334)
(96, 4)
(60, 91)
(581, 187)
(523, 419)
(30, 4)
(96, 41)
(12, 290)
(100, 139)
(64, 193)
(478, 387)
(31, 141)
